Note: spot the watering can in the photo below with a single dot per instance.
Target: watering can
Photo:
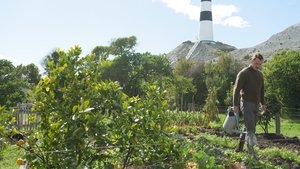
(231, 122)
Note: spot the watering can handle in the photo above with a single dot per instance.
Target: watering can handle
(235, 109)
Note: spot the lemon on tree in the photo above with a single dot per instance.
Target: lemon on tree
(20, 142)
(20, 161)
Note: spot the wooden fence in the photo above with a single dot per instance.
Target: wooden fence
(26, 119)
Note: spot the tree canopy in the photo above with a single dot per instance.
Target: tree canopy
(282, 74)
(15, 81)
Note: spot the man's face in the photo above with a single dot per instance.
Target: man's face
(256, 64)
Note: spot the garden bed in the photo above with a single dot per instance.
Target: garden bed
(266, 141)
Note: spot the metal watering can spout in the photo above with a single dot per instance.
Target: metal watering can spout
(231, 122)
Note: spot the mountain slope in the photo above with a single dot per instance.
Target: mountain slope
(198, 51)
(287, 39)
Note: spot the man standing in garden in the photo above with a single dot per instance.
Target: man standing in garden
(248, 95)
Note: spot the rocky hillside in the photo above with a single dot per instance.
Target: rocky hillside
(287, 39)
(198, 51)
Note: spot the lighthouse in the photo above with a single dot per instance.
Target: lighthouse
(206, 28)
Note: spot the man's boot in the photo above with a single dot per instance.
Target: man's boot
(241, 144)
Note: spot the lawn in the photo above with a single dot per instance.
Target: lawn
(288, 127)
(9, 157)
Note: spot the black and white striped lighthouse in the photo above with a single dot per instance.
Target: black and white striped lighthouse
(206, 28)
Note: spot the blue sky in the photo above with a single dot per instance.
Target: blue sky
(31, 29)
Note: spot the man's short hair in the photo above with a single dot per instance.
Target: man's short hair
(258, 56)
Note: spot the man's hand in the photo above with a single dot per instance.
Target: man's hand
(263, 109)
(236, 109)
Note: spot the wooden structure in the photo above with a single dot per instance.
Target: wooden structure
(26, 119)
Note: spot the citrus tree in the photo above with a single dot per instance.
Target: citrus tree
(86, 122)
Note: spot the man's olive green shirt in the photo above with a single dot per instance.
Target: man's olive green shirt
(249, 85)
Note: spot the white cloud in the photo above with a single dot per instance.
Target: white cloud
(222, 14)
(185, 7)
(235, 21)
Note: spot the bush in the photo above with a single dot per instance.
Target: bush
(87, 122)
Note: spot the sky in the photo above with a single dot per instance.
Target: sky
(32, 29)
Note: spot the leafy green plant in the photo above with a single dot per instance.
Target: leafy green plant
(184, 118)
(222, 151)
(274, 152)
(88, 122)
(281, 77)
(7, 127)
(210, 107)
(274, 106)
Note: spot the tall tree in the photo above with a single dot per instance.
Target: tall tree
(282, 74)
(32, 74)
(133, 69)
(53, 56)
(221, 74)
(123, 46)
(183, 82)
(198, 75)
(183, 85)
(12, 84)
(183, 67)
(101, 52)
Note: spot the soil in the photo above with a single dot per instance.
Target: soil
(273, 140)
(267, 141)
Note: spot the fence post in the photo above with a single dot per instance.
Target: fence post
(277, 123)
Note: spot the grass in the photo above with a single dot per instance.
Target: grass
(9, 157)
(288, 127)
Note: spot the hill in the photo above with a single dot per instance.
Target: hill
(287, 39)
